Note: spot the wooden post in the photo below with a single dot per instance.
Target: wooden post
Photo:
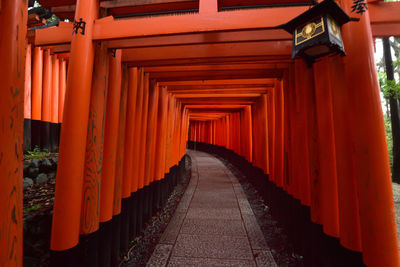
(109, 158)
(94, 154)
(37, 84)
(279, 134)
(131, 128)
(372, 172)
(55, 82)
(349, 219)
(28, 98)
(327, 182)
(124, 183)
(37, 81)
(138, 133)
(271, 132)
(45, 141)
(120, 203)
(302, 166)
(13, 18)
(72, 152)
(62, 87)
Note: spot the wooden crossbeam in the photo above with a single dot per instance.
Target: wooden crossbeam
(205, 82)
(267, 48)
(250, 20)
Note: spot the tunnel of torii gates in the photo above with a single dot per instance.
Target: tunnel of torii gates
(137, 87)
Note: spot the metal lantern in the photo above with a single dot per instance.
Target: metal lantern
(316, 32)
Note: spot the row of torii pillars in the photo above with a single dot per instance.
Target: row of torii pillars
(363, 151)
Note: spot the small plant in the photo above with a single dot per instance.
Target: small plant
(32, 208)
(36, 153)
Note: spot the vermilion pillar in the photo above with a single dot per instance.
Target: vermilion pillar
(142, 159)
(128, 209)
(327, 182)
(264, 146)
(131, 128)
(271, 132)
(94, 153)
(162, 136)
(303, 81)
(120, 203)
(290, 180)
(28, 83)
(55, 88)
(279, 134)
(153, 104)
(111, 138)
(349, 224)
(28, 98)
(13, 18)
(47, 77)
(62, 87)
(55, 82)
(68, 192)
(45, 132)
(372, 172)
(312, 147)
(37, 80)
(37, 84)
(111, 130)
(137, 134)
(155, 131)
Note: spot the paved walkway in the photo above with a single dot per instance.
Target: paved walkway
(214, 224)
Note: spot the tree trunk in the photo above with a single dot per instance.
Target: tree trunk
(394, 113)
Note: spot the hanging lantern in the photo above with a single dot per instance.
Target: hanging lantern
(317, 32)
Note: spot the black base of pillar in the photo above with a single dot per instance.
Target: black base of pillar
(54, 136)
(105, 241)
(146, 204)
(157, 198)
(65, 258)
(27, 135)
(116, 240)
(133, 216)
(36, 127)
(88, 246)
(125, 224)
(45, 141)
(139, 205)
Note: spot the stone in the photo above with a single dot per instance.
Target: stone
(32, 172)
(27, 182)
(35, 163)
(51, 175)
(42, 178)
(55, 160)
(45, 165)
(26, 165)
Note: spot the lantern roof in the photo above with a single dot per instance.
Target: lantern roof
(326, 7)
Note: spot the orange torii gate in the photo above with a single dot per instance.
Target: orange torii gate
(135, 92)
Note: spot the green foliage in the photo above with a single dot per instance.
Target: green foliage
(389, 139)
(36, 153)
(32, 208)
(52, 19)
(389, 87)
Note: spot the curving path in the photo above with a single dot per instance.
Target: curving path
(214, 224)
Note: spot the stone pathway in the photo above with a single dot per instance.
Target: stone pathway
(396, 198)
(213, 224)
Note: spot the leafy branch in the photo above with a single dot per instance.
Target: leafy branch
(36, 153)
